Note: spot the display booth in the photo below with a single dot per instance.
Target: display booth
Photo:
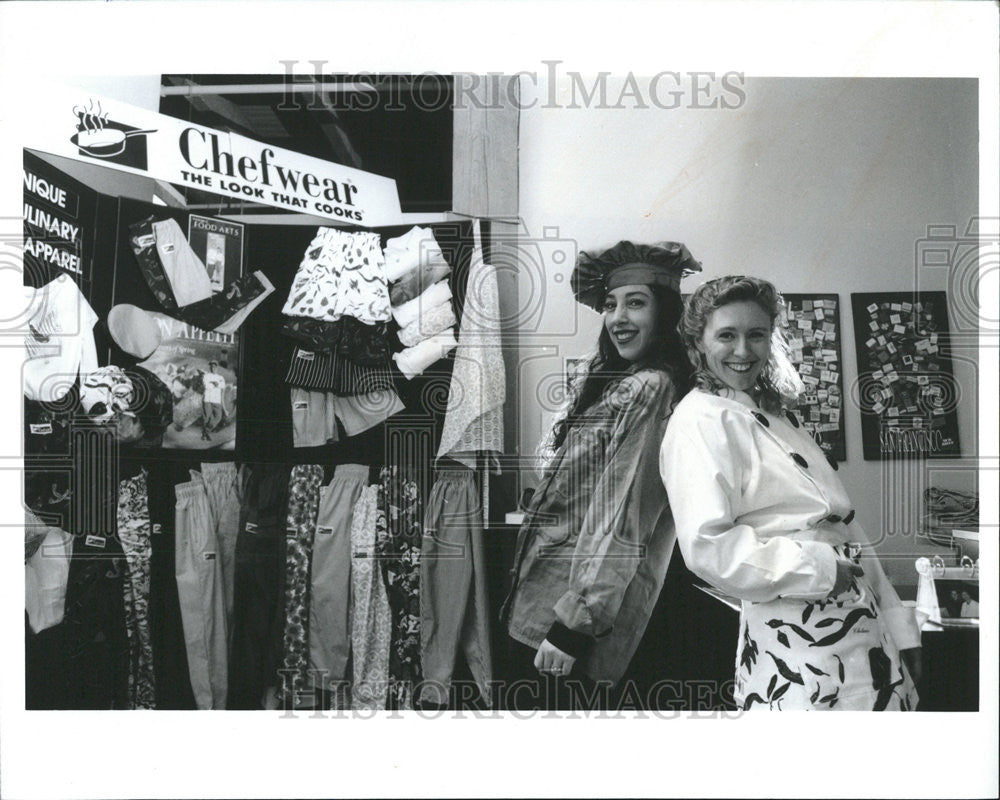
(227, 478)
(280, 411)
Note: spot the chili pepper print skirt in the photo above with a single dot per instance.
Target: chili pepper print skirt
(820, 655)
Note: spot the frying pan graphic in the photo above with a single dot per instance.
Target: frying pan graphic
(104, 143)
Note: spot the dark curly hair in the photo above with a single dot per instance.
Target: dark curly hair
(607, 368)
(778, 386)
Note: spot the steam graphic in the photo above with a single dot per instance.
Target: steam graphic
(89, 121)
(97, 137)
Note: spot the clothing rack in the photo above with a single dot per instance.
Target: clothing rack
(967, 570)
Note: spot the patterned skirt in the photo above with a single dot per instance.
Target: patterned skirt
(820, 655)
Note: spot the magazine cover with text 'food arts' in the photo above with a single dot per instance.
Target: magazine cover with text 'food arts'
(199, 367)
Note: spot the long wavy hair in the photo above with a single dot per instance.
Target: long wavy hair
(778, 386)
(607, 368)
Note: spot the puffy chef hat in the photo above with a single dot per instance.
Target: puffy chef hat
(658, 264)
(134, 330)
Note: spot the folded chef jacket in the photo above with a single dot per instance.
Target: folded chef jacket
(414, 360)
(414, 248)
(430, 323)
(411, 310)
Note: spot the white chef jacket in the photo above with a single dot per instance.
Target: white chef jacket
(60, 339)
(758, 507)
(46, 573)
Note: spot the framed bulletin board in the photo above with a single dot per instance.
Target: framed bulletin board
(812, 326)
(907, 389)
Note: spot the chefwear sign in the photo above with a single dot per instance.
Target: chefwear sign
(117, 135)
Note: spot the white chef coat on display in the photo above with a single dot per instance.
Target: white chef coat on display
(758, 507)
(46, 574)
(59, 341)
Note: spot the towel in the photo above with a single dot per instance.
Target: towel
(474, 419)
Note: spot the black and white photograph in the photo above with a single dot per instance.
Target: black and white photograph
(395, 396)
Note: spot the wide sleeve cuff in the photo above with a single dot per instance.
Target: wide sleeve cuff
(822, 560)
(571, 642)
(902, 625)
(573, 612)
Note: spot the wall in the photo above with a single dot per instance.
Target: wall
(822, 185)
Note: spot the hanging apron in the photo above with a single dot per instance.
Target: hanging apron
(820, 654)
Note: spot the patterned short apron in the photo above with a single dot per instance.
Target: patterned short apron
(819, 655)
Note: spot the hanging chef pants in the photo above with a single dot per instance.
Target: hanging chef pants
(170, 666)
(258, 629)
(453, 601)
(303, 506)
(134, 535)
(201, 590)
(371, 619)
(399, 536)
(330, 584)
(96, 644)
(222, 488)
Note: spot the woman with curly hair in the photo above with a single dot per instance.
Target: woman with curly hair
(594, 547)
(762, 516)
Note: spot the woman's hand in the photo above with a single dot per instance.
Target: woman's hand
(552, 660)
(847, 572)
(913, 660)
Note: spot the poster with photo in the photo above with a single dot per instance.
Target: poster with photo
(906, 387)
(812, 325)
(219, 245)
(958, 600)
(199, 368)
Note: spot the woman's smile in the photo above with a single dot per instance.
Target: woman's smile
(740, 366)
(624, 335)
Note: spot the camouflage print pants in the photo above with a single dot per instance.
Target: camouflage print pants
(133, 533)
(398, 538)
(303, 508)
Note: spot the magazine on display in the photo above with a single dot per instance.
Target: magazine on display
(199, 368)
